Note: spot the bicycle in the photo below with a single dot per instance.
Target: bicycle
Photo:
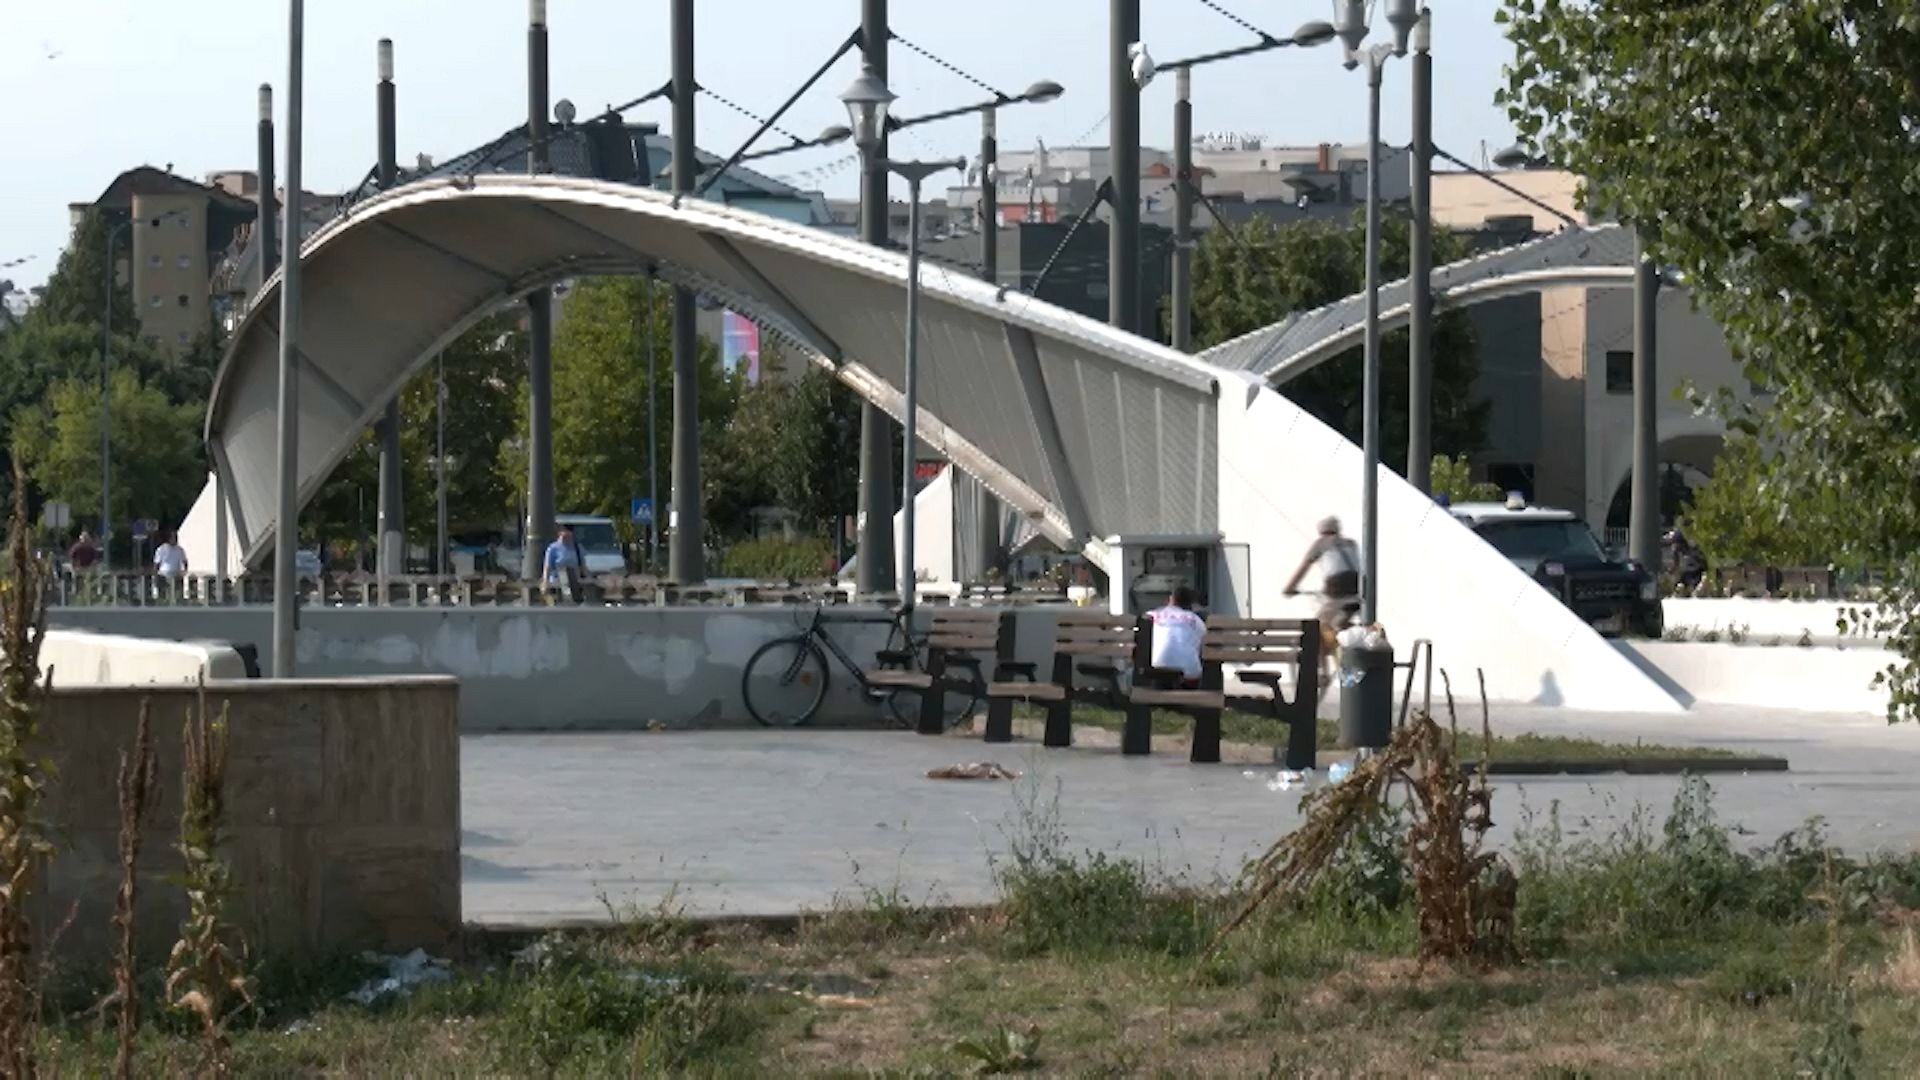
(1329, 645)
(785, 680)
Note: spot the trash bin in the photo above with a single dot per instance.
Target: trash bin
(1366, 697)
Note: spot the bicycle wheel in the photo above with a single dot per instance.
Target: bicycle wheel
(955, 705)
(784, 682)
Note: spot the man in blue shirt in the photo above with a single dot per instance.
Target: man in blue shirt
(562, 566)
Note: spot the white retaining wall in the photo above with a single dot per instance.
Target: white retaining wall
(1761, 618)
(1820, 678)
(77, 658)
(1281, 471)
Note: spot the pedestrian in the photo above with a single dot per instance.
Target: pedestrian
(84, 555)
(1177, 630)
(562, 566)
(170, 562)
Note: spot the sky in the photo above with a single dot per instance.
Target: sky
(93, 87)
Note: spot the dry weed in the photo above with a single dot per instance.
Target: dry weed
(24, 847)
(139, 774)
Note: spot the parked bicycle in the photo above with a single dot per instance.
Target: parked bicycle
(786, 679)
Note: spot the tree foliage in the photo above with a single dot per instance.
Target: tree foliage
(1453, 478)
(1276, 270)
(158, 467)
(1766, 151)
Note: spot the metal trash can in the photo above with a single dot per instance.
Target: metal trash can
(1366, 697)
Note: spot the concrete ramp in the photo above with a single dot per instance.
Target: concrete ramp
(199, 534)
(1281, 471)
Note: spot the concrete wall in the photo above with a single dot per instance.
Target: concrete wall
(1759, 618)
(343, 807)
(76, 658)
(548, 669)
(1281, 470)
(1821, 678)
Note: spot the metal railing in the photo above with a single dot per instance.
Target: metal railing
(122, 590)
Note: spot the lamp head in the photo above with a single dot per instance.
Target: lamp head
(564, 112)
(1403, 16)
(1423, 32)
(1351, 27)
(266, 103)
(1317, 32)
(385, 52)
(1513, 157)
(867, 101)
(1043, 91)
(833, 133)
(536, 12)
(1143, 65)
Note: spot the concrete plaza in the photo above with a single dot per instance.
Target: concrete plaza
(759, 822)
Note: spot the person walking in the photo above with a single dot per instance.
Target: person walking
(170, 563)
(84, 555)
(562, 565)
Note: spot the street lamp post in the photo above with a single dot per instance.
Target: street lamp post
(1420, 265)
(286, 520)
(1352, 29)
(1184, 189)
(390, 504)
(106, 372)
(867, 101)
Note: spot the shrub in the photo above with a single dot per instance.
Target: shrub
(777, 560)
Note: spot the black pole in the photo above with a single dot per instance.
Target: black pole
(1420, 273)
(987, 513)
(1183, 210)
(686, 559)
(539, 525)
(391, 505)
(1644, 519)
(1123, 239)
(653, 445)
(264, 198)
(876, 430)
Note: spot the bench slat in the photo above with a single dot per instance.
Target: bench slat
(1095, 648)
(1203, 699)
(1293, 633)
(1234, 654)
(1233, 622)
(911, 679)
(1096, 618)
(1026, 690)
(962, 641)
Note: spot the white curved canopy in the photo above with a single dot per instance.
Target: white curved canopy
(1088, 430)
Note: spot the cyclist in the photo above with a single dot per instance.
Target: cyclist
(1339, 561)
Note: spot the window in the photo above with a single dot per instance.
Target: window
(184, 301)
(154, 300)
(153, 261)
(183, 262)
(1620, 371)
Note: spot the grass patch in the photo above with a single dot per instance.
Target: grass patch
(1661, 947)
(1548, 749)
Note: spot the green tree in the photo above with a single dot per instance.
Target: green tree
(1453, 477)
(600, 398)
(1765, 151)
(1274, 271)
(158, 467)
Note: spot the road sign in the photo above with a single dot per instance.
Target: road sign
(144, 527)
(643, 511)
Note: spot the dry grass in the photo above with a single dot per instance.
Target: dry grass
(1901, 971)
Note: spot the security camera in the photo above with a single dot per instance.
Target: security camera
(1143, 66)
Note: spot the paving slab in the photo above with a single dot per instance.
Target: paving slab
(568, 828)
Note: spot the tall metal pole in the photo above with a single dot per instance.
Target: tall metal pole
(1420, 272)
(106, 408)
(264, 198)
(653, 444)
(440, 458)
(286, 530)
(686, 555)
(986, 518)
(391, 504)
(1644, 519)
(876, 432)
(539, 321)
(909, 575)
(1123, 238)
(1370, 406)
(1183, 209)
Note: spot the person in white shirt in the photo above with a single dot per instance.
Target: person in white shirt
(169, 559)
(1177, 631)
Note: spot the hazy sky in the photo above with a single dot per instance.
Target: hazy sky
(93, 87)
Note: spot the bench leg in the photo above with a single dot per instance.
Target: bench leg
(1059, 725)
(934, 698)
(1303, 735)
(1137, 736)
(999, 720)
(1206, 737)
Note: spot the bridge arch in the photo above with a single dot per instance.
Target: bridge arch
(1089, 431)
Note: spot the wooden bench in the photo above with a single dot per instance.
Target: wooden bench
(1236, 641)
(1096, 644)
(957, 639)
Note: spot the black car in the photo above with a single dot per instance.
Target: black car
(1617, 596)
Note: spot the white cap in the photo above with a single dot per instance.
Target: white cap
(386, 59)
(266, 102)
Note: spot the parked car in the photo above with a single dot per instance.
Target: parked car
(600, 550)
(307, 565)
(1617, 596)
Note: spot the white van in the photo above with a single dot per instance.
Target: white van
(599, 545)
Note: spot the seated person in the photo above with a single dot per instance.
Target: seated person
(1177, 630)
